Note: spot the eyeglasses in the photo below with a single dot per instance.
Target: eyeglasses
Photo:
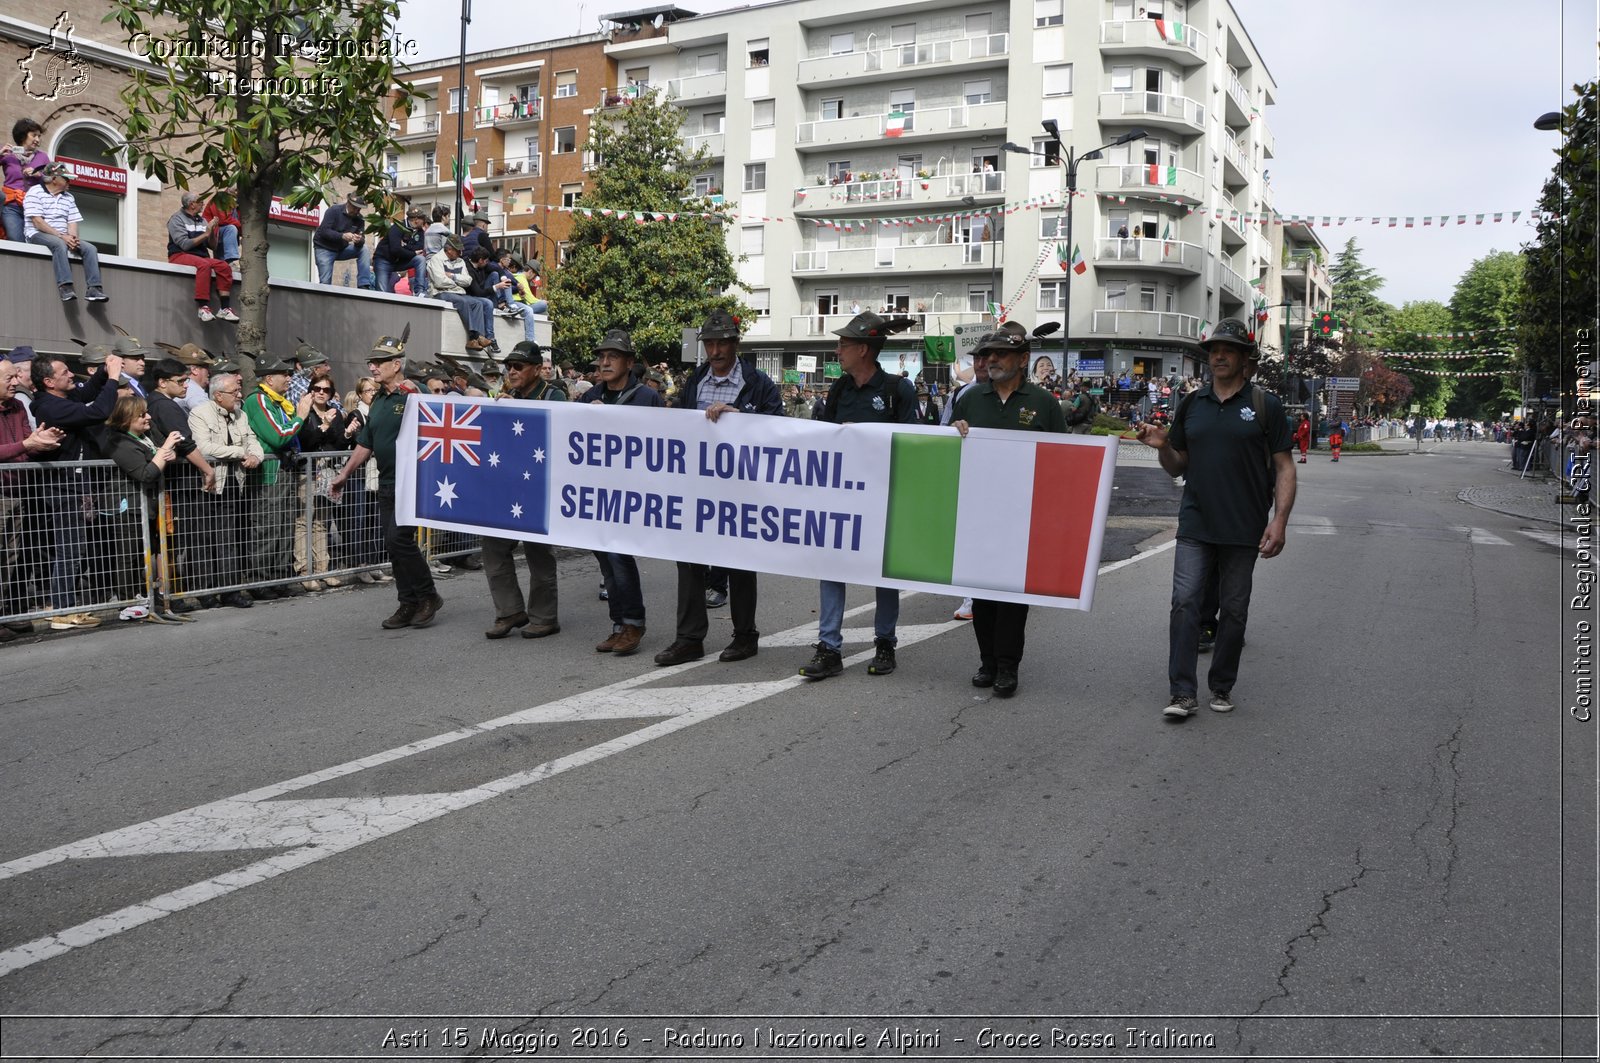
(326, 391)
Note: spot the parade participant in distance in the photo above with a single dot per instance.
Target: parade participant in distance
(1336, 440)
(1302, 436)
(624, 594)
(1007, 401)
(726, 383)
(524, 380)
(863, 394)
(1235, 468)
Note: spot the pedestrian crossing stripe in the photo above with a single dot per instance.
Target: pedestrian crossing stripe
(1310, 525)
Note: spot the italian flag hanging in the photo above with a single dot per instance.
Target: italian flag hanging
(1162, 175)
(1079, 266)
(1029, 524)
(1172, 34)
(895, 125)
(468, 199)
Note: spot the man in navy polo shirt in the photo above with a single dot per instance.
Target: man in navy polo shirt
(1236, 468)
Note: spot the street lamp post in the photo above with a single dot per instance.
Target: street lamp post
(1069, 184)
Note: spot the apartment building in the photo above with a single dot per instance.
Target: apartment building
(1299, 283)
(863, 153)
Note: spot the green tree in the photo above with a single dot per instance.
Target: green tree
(1562, 290)
(1355, 296)
(267, 96)
(1486, 300)
(1412, 328)
(651, 277)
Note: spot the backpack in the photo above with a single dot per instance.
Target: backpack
(1258, 399)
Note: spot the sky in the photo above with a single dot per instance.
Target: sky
(1386, 107)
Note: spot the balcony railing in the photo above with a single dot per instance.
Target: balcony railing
(929, 322)
(512, 112)
(1238, 93)
(712, 142)
(911, 190)
(1146, 323)
(418, 125)
(1233, 283)
(1232, 219)
(1153, 106)
(1142, 33)
(698, 87)
(1149, 251)
(621, 95)
(925, 122)
(920, 56)
(414, 177)
(915, 257)
(1162, 180)
(498, 169)
(1234, 154)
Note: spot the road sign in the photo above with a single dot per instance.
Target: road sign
(1344, 383)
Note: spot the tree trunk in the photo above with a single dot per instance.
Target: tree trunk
(255, 205)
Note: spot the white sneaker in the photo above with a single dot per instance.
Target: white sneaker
(439, 568)
(227, 314)
(963, 611)
(1221, 702)
(206, 315)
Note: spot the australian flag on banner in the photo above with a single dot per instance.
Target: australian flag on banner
(485, 464)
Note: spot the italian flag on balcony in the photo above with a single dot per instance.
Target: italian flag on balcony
(1031, 524)
(1163, 175)
(1170, 32)
(895, 125)
(464, 174)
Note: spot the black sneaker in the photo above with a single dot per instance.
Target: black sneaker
(823, 664)
(882, 662)
(1180, 707)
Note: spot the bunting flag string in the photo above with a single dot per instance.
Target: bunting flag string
(1033, 273)
(1443, 354)
(1436, 335)
(1450, 373)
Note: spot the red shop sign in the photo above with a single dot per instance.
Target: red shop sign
(294, 215)
(97, 176)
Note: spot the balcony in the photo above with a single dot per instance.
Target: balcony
(418, 127)
(925, 323)
(1146, 324)
(1295, 276)
(1148, 252)
(1159, 109)
(1233, 283)
(963, 119)
(501, 169)
(622, 95)
(1171, 182)
(1235, 163)
(909, 191)
(509, 115)
(1269, 143)
(714, 143)
(700, 88)
(1234, 231)
(414, 177)
(1237, 105)
(930, 257)
(952, 54)
(1183, 43)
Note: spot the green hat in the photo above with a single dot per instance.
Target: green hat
(188, 354)
(269, 364)
(388, 347)
(1004, 341)
(525, 353)
(1232, 331)
(865, 327)
(224, 365)
(454, 243)
(616, 340)
(130, 347)
(309, 356)
(95, 354)
(720, 325)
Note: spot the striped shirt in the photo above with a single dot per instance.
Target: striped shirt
(713, 390)
(58, 211)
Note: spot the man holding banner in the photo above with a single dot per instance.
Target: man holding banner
(1006, 401)
(864, 393)
(726, 383)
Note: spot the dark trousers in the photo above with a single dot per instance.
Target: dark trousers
(500, 567)
(692, 621)
(1194, 565)
(1001, 629)
(272, 528)
(413, 582)
(624, 592)
(220, 562)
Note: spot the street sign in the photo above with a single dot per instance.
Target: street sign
(1344, 383)
(967, 337)
(806, 363)
(1416, 408)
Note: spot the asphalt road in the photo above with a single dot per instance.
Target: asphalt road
(1387, 850)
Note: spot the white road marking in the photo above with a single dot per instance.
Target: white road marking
(320, 828)
(1309, 525)
(1553, 538)
(1481, 536)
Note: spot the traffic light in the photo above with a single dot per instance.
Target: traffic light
(1325, 324)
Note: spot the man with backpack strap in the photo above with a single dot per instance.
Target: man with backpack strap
(1230, 441)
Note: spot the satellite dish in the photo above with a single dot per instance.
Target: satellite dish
(656, 22)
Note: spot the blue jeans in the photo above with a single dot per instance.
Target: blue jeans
(360, 252)
(58, 254)
(388, 273)
(525, 312)
(11, 214)
(228, 242)
(624, 592)
(66, 518)
(477, 313)
(830, 625)
(1194, 566)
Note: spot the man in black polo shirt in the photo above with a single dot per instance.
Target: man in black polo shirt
(1235, 468)
(863, 394)
(413, 582)
(1009, 401)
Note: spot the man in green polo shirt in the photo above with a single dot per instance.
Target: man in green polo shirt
(413, 582)
(1234, 467)
(1008, 401)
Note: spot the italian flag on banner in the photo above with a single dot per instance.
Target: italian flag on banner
(468, 199)
(1163, 175)
(1031, 523)
(895, 125)
(1079, 266)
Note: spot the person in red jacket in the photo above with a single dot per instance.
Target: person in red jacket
(1302, 436)
(1336, 440)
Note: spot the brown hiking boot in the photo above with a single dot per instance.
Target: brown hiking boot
(609, 644)
(505, 625)
(628, 640)
(401, 618)
(427, 611)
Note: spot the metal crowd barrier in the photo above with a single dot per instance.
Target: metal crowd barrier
(80, 537)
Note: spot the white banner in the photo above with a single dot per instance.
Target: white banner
(1008, 516)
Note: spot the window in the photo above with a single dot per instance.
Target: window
(755, 177)
(456, 96)
(978, 300)
(469, 151)
(841, 44)
(708, 63)
(391, 166)
(1117, 295)
(639, 75)
(760, 300)
(430, 163)
(566, 84)
(704, 183)
(757, 52)
(977, 26)
(762, 114)
(753, 239)
(1121, 10)
(1047, 12)
(1052, 226)
(564, 253)
(1147, 297)
(526, 93)
(1122, 79)
(570, 194)
(1170, 295)
(976, 92)
(1058, 80)
(711, 122)
(904, 33)
(1043, 153)
(1052, 294)
(904, 101)
(838, 171)
(566, 140)
(832, 110)
(897, 300)
(1116, 222)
